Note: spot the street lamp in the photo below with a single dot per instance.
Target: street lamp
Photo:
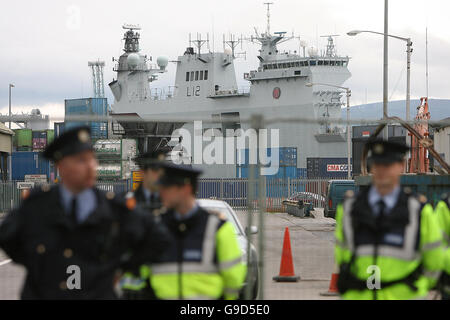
(349, 93)
(408, 66)
(10, 86)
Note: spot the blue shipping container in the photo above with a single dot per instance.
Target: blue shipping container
(88, 106)
(287, 156)
(302, 173)
(24, 163)
(283, 173)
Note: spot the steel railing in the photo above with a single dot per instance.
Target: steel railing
(234, 191)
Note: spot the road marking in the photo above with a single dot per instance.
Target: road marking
(5, 262)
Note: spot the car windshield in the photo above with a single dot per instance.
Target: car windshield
(230, 216)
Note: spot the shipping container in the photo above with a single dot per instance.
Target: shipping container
(108, 147)
(58, 129)
(287, 156)
(282, 173)
(39, 140)
(358, 148)
(329, 168)
(108, 171)
(50, 136)
(23, 138)
(86, 107)
(25, 163)
(302, 173)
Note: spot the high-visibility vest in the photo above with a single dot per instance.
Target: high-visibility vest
(204, 260)
(400, 257)
(443, 215)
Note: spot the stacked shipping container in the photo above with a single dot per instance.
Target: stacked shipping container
(26, 163)
(88, 107)
(287, 167)
(28, 140)
(22, 140)
(328, 168)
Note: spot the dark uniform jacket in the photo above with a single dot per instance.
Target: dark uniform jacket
(155, 202)
(41, 236)
(145, 293)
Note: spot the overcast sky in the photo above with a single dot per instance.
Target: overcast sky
(46, 45)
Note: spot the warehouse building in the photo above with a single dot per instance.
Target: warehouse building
(442, 140)
(6, 142)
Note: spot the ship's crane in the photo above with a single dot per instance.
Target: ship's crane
(419, 162)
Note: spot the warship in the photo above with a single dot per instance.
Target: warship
(206, 88)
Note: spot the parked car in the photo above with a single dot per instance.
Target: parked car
(335, 195)
(222, 206)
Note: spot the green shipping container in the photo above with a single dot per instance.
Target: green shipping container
(23, 138)
(50, 136)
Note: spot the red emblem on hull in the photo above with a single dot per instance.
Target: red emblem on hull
(276, 93)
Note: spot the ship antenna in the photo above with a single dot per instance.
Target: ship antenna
(268, 4)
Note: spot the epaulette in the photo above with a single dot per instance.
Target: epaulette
(219, 214)
(130, 201)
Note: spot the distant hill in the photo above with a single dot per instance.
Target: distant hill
(439, 109)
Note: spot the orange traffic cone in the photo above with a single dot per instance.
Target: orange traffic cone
(333, 289)
(286, 266)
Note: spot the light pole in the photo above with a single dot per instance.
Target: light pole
(409, 51)
(10, 156)
(10, 86)
(349, 93)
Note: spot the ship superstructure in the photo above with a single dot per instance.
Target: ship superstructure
(206, 87)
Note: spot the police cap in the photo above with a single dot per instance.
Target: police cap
(386, 152)
(174, 174)
(69, 143)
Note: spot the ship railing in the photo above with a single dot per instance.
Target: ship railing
(124, 67)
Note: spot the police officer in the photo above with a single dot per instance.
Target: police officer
(73, 238)
(136, 287)
(388, 242)
(443, 215)
(203, 260)
(150, 170)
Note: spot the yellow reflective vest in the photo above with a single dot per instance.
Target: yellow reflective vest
(443, 215)
(203, 261)
(398, 257)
